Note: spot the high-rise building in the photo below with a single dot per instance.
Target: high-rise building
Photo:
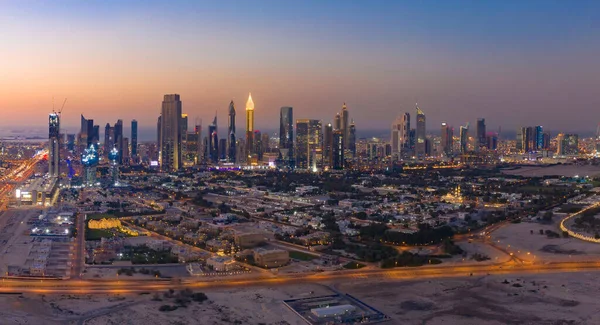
(309, 140)
(109, 139)
(519, 142)
(464, 139)
(231, 140)
(54, 145)
(265, 141)
(159, 135)
(213, 138)
(395, 139)
(286, 135)
(407, 143)
(258, 146)
(223, 149)
(118, 130)
(538, 138)
(567, 144)
(337, 122)
(447, 141)
(249, 125)
(420, 134)
(113, 160)
(345, 127)
(134, 138)
(352, 138)
(338, 150)
(328, 145)
(481, 134)
(170, 152)
(71, 142)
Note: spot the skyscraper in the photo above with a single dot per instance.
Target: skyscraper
(481, 140)
(395, 139)
(286, 134)
(420, 134)
(328, 145)
(134, 138)
(345, 127)
(159, 136)
(231, 140)
(338, 150)
(538, 138)
(352, 138)
(213, 139)
(54, 145)
(337, 122)
(109, 139)
(118, 129)
(309, 140)
(446, 139)
(464, 138)
(249, 125)
(406, 144)
(257, 137)
(170, 152)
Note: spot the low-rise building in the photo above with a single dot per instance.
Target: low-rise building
(249, 240)
(269, 258)
(221, 263)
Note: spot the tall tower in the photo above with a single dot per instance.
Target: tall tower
(345, 127)
(337, 122)
(309, 141)
(481, 140)
(405, 143)
(286, 134)
(213, 141)
(231, 141)
(249, 125)
(338, 150)
(446, 139)
(54, 148)
(420, 134)
(464, 138)
(328, 145)
(118, 130)
(352, 138)
(134, 138)
(170, 125)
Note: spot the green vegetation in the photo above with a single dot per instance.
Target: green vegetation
(145, 255)
(451, 248)
(97, 234)
(97, 216)
(408, 259)
(354, 266)
(425, 236)
(302, 256)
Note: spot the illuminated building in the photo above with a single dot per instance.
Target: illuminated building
(420, 134)
(481, 140)
(134, 138)
(345, 126)
(258, 145)
(568, 145)
(352, 138)
(286, 135)
(464, 139)
(309, 140)
(113, 159)
(231, 140)
(327, 145)
(447, 139)
(338, 150)
(249, 125)
(213, 142)
(89, 160)
(54, 145)
(170, 133)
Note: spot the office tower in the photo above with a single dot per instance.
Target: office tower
(420, 134)
(546, 141)
(567, 144)
(54, 145)
(113, 160)
(159, 135)
(249, 125)
(257, 137)
(538, 137)
(597, 139)
(338, 150)
(109, 139)
(213, 139)
(231, 140)
(286, 135)
(222, 149)
(345, 127)
(412, 141)
(240, 155)
(170, 152)
(464, 139)
(184, 124)
(89, 160)
(95, 134)
(134, 138)
(352, 138)
(527, 139)
(328, 145)
(406, 138)
(83, 132)
(125, 151)
(118, 130)
(71, 142)
(519, 144)
(481, 140)
(265, 141)
(491, 141)
(337, 122)
(395, 139)
(309, 140)
(446, 142)
(200, 158)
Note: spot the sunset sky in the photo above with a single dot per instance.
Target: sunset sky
(512, 62)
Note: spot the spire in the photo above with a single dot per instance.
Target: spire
(249, 103)
(419, 111)
(231, 108)
(344, 106)
(215, 120)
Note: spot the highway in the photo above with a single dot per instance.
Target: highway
(14, 177)
(399, 274)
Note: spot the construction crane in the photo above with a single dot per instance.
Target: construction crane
(61, 108)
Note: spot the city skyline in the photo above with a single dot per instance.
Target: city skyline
(459, 64)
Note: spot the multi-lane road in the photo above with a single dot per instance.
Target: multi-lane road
(18, 174)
